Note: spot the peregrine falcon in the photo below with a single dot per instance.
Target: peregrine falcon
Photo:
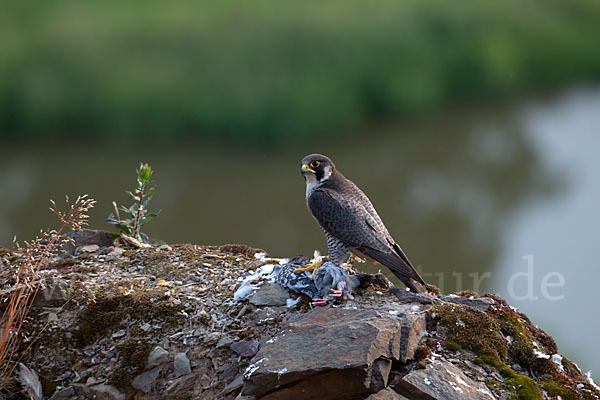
(350, 222)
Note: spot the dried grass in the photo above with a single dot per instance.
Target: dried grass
(33, 256)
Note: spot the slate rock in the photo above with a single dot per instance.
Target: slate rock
(181, 364)
(145, 380)
(224, 341)
(157, 356)
(413, 328)
(99, 392)
(234, 385)
(331, 351)
(182, 385)
(84, 237)
(53, 289)
(480, 303)
(386, 394)
(246, 347)
(63, 394)
(269, 294)
(89, 248)
(442, 380)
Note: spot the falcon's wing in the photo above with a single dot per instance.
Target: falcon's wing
(355, 222)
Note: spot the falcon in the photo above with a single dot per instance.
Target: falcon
(350, 222)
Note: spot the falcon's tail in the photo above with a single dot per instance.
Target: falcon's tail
(399, 264)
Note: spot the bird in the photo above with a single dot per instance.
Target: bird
(350, 222)
(329, 282)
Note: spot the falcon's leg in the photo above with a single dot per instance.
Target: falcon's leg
(338, 251)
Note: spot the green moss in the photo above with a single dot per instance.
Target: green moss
(468, 328)
(452, 345)
(133, 356)
(134, 353)
(98, 318)
(521, 348)
(121, 378)
(557, 389)
(106, 313)
(525, 387)
(421, 352)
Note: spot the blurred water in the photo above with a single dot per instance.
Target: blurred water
(467, 194)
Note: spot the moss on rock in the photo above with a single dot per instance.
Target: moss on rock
(468, 328)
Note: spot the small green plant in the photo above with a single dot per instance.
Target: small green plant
(138, 211)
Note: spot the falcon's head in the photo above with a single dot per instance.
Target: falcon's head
(317, 168)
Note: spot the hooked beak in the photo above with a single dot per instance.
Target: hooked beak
(306, 169)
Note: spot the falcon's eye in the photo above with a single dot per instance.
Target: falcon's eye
(314, 164)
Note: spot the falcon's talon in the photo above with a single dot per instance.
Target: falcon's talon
(314, 267)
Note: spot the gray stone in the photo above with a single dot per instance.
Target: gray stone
(386, 394)
(269, 294)
(442, 380)
(413, 329)
(246, 347)
(181, 363)
(90, 248)
(100, 392)
(331, 351)
(107, 392)
(182, 385)
(224, 341)
(234, 384)
(53, 289)
(63, 394)
(157, 356)
(145, 380)
(480, 303)
(84, 237)
(119, 334)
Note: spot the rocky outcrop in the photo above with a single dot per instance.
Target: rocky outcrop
(162, 323)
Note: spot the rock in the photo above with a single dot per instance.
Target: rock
(269, 294)
(119, 334)
(480, 303)
(234, 385)
(53, 290)
(107, 392)
(90, 248)
(182, 385)
(181, 363)
(63, 394)
(100, 392)
(157, 356)
(204, 317)
(330, 351)
(224, 341)
(245, 348)
(442, 380)
(145, 380)
(84, 237)
(413, 329)
(386, 394)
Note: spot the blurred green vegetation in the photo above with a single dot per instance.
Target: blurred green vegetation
(271, 70)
